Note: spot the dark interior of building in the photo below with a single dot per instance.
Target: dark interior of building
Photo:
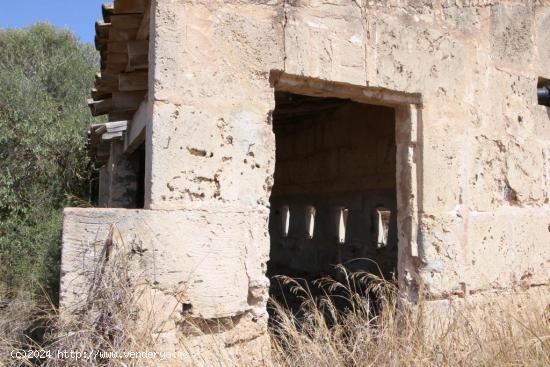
(334, 194)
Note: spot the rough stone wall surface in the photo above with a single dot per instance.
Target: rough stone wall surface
(484, 172)
(483, 159)
(193, 281)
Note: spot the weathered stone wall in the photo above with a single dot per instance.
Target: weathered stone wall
(482, 158)
(191, 284)
(483, 155)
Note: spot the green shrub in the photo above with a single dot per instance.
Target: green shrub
(45, 75)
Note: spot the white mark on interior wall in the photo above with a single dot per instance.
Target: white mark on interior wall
(355, 39)
(382, 216)
(285, 220)
(342, 223)
(310, 221)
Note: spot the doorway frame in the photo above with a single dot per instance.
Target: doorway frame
(409, 159)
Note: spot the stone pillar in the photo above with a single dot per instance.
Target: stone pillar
(211, 160)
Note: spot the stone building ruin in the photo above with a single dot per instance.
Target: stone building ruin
(279, 136)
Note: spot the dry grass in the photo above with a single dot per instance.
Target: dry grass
(319, 335)
(397, 335)
(106, 321)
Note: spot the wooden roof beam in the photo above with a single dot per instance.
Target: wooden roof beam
(114, 130)
(143, 31)
(117, 58)
(100, 43)
(98, 95)
(107, 10)
(121, 115)
(106, 80)
(117, 47)
(126, 21)
(102, 29)
(122, 34)
(135, 81)
(99, 108)
(120, 102)
(138, 55)
(127, 101)
(129, 6)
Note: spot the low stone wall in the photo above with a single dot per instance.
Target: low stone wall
(197, 291)
(210, 301)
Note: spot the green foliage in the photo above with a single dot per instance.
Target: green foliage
(45, 75)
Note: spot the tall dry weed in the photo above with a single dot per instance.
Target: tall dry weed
(358, 320)
(490, 332)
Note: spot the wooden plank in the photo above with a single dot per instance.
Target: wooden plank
(129, 6)
(143, 31)
(116, 126)
(99, 108)
(102, 153)
(101, 88)
(115, 68)
(138, 55)
(126, 21)
(107, 78)
(100, 43)
(112, 136)
(100, 94)
(127, 101)
(120, 51)
(135, 134)
(107, 10)
(106, 85)
(102, 29)
(138, 62)
(117, 47)
(114, 130)
(121, 115)
(99, 129)
(117, 58)
(135, 81)
(122, 35)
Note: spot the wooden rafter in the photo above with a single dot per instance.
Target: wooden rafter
(129, 6)
(122, 39)
(143, 31)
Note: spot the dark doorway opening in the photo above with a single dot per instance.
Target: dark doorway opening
(334, 195)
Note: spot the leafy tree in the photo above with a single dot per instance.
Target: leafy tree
(45, 75)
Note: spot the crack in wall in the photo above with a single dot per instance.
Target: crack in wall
(285, 22)
(365, 25)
